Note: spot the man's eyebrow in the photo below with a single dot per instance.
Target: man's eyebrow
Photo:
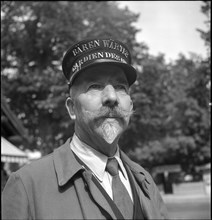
(121, 80)
(97, 79)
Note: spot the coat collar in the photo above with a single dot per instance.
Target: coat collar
(135, 168)
(142, 177)
(66, 165)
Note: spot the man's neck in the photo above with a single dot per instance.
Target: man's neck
(100, 144)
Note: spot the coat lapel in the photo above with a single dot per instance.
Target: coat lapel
(99, 195)
(144, 189)
(139, 173)
(67, 165)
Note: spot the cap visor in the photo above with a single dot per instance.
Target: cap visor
(129, 70)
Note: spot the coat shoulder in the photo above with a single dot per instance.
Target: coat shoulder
(37, 166)
(40, 170)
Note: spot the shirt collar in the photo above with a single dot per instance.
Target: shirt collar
(95, 160)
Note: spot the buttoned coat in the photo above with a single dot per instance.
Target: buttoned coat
(57, 186)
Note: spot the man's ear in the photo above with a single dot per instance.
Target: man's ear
(70, 108)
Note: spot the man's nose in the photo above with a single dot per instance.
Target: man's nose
(109, 96)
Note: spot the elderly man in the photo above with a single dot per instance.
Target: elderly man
(89, 177)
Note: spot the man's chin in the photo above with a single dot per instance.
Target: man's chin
(110, 130)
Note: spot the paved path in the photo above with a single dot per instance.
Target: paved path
(186, 197)
(188, 206)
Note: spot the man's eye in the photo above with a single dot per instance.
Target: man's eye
(95, 86)
(121, 88)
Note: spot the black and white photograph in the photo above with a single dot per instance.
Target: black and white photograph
(105, 110)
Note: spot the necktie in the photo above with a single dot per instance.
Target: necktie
(120, 195)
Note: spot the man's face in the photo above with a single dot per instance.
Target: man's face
(101, 103)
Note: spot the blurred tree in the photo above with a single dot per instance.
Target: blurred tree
(189, 122)
(171, 120)
(149, 123)
(149, 96)
(34, 36)
(206, 34)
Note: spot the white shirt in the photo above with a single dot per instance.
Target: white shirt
(96, 162)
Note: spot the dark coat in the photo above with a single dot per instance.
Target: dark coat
(58, 187)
